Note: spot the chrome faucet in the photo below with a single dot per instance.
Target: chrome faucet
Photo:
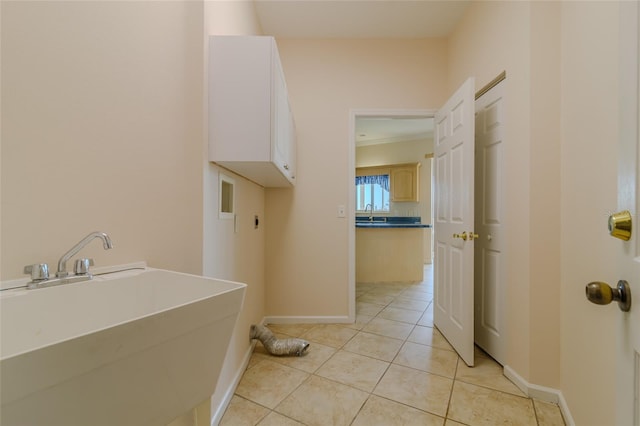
(371, 215)
(40, 271)
(62, 263)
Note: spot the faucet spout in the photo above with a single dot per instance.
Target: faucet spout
(371, 215)
(62, 263)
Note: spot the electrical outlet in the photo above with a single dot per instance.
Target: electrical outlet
(341, 211)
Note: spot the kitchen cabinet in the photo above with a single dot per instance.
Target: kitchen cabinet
(251, 127)
(404, 182)
(389, 254)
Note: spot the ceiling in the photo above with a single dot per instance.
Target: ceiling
(366, 19)
(382, 130)
(359, 18)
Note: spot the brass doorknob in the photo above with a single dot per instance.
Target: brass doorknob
(602, 294)
(620, 225)
(473, 236)
(463, 236)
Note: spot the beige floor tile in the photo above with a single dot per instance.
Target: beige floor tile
(480, 406)
(275, 419)
(389, 328)
(242, 412)
(291, 330)
(394, 287)
(361, 321)
(259, 354)
(401, 315)
(378, 299)
(427, 358)
(333, 335)
(429, 336)
(370, 309)
(548, 414)
(425, 391)
(417, 294)
(427, 317)
(411, 304)
(322, 402)
(330, 385)
(380, 411)
(488, 373)
(375, 346)
(316, 355)
(354, 370)
(268, 383)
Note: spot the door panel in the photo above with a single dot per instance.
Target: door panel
(628, 323)
(490, 286)
(457, 184)
(454, 196)
(489, 292)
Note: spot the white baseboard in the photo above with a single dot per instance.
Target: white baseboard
(218, 412)
(308, 320)
(541, 393)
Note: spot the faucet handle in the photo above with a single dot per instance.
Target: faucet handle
(81, 267)
(38, 271)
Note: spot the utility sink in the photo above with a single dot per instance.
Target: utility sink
(127, 348)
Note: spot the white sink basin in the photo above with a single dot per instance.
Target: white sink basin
(129, 348)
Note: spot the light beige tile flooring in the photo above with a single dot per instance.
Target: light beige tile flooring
(392, 367)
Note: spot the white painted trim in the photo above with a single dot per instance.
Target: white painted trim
(541, 393)
(351, 203)
(219, 411)
(564, 409)
(351, 219)
(308, 320)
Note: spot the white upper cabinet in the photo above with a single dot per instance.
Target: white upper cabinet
(251, 128)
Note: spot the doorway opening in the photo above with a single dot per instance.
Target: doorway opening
(390, 138)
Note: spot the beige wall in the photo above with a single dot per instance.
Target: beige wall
(561, 62)
(307, 244)
(545, 195)
(589, 192)
(521, 38)
(405, 152)
(102, 130)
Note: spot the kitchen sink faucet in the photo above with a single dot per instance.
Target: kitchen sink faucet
(371, 215)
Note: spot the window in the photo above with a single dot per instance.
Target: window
(226, 197)
(372, 191)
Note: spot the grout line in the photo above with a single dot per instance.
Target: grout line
(452, 386)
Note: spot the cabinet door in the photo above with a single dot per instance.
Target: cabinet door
(404, 183)
(282, 137)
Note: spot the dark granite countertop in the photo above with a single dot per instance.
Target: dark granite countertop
(390, 222)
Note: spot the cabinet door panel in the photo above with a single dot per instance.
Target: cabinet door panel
(404, 183)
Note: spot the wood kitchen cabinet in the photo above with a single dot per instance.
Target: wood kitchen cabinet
(404, 182)
(251, 128)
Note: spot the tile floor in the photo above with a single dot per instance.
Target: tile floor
(392, 367)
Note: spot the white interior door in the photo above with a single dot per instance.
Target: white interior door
(490, 286)
(454, 220)
(628, 326)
